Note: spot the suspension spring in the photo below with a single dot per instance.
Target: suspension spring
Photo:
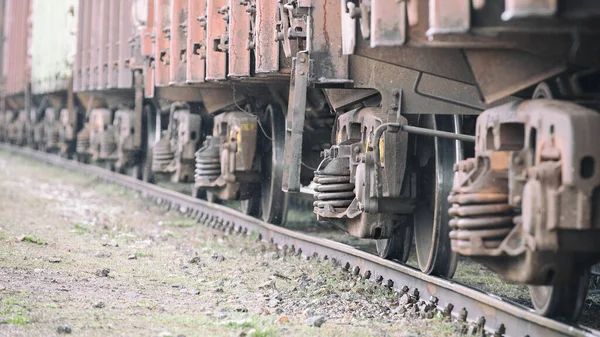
(207, 168)
(83, 141)
(162, 155)
(483, 217)
(38, 133)
(52, 137)
(208, 161)
(334, 190)
(108, 144)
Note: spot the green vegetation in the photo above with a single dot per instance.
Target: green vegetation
(179, 223)
(17, 320)
(33, 239)
(80, 228)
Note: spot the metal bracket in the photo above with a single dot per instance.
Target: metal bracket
(447, 17)
(527, 8)
(295, 123)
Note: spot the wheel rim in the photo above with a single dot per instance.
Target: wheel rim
(398, 246)
(436, 158)
(563, 301)
(273, 201)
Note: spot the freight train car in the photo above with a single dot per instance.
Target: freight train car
(465, 126)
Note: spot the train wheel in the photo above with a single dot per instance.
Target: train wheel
(269, 202)
(398, 246)
(563, 301)
(436, 157)
(149, 140)
(273, 201)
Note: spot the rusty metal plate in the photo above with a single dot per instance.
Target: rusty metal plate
(196, 41)
(500, 73)
(125, 77)
(147, 50)
(266, 51)
(162, 34)
(178, 43)
(77, 73)
(239, 31)
(113, 48)
(329, 66)
(449, 16)
(95, 45)
(15, 59)
(348, 28)
(85, 46)
(388, 23)
(103, 41)
(216, 32)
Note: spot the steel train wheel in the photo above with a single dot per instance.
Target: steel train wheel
(269, 203)
(436, 157)
(398, 246)
(563, 301)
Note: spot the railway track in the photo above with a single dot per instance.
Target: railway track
(498, 316)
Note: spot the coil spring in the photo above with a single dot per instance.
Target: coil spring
(162, 155)
(334, 190)
(207, 168)
(52, 137)
(83, 141)
(38, 133)
(107, 143)
(484, 217)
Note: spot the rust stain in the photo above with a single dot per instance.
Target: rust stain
(325, 30)
(431, 288)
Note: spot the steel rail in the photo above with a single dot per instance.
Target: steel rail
(517, 319)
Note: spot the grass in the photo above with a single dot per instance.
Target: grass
(33, 239)
(16, 310)
(257, 328)
(179, 223)
(17, 320)
(81, 228)
(480, 277)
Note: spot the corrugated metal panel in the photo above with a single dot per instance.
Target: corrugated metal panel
(53, 44)
(15, 69)
(104, 50)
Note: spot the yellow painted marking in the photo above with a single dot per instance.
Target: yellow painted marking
(381, 149)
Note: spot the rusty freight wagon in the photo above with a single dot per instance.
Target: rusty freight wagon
(461, 126)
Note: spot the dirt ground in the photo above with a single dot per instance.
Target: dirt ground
(82, 257)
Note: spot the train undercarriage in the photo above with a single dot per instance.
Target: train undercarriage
(464, 128)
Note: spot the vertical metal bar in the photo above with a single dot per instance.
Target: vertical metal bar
(295, 123)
